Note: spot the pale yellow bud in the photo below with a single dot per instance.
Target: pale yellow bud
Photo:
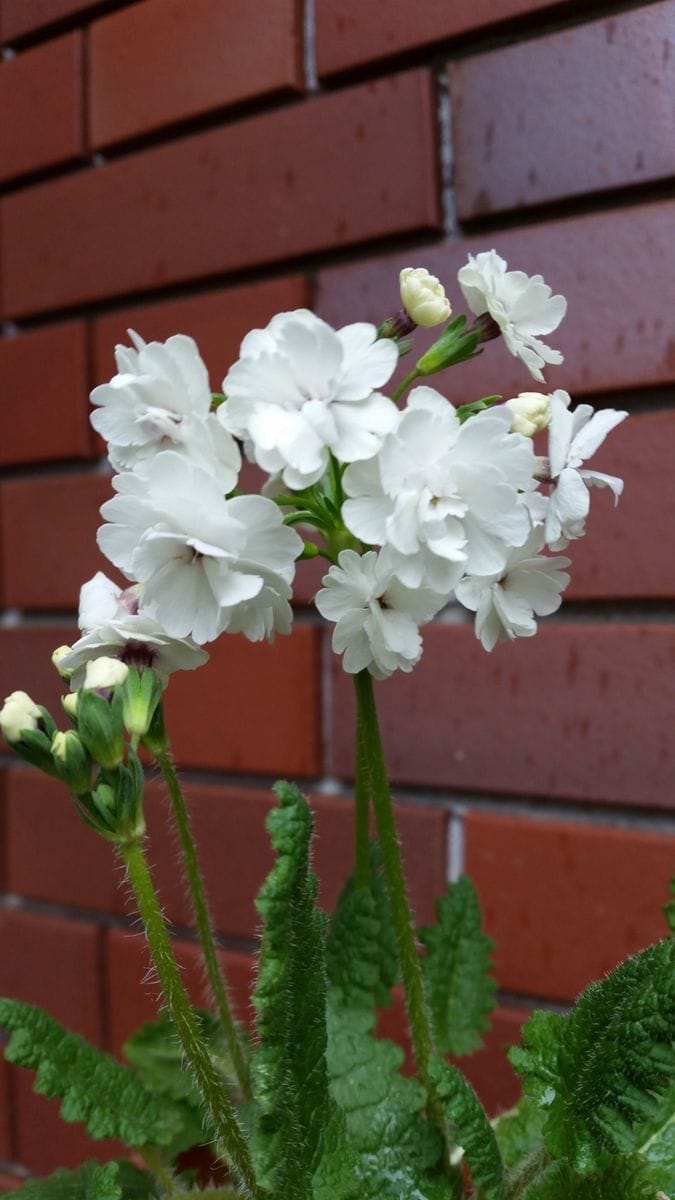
(105, 673)
(57, 657)
(18, 714)
(423, 297)
(69, 702)
(531, 413)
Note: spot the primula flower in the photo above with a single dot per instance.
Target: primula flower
(423, 297)
(18, 714)
(573, 436)
(301, 391)
(522, 306)
(442, 496)
(207, 564)
(505, 603)
(113, 627)
(160, 400)
(376, 616)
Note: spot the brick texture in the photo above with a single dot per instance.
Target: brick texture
(25, 663)
(214, 52)
(43, 382)
(18, 18)
(244, 181)
(5, 1121)
(40, 107)
(581, 711)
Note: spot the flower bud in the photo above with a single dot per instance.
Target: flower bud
(59, 654)
(100, 725)
(141, 693)
(423, 297)
(105, 673)
(72, 761)
(18, 714)
(69, 702)
(453, 346)
(531, 413)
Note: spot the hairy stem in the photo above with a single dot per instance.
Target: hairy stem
(529, 1170)
(219, 1107)
(195, 880)
(361, 809)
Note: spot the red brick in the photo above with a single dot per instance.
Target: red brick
(25, 663)
(52, 962)
(5, 1129)
(218, 321)
(134, 992)
(304, 178)
(253, 707)
(353, 33)
(616, 334)
(581, 711)
(537, 927)
(9, 1183)
(607, 122)
(40, 107)
(214, 52)
(60, 515)
(44, 1140)
(43, 379)
(19, 18)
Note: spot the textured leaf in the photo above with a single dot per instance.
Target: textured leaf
(519, 1131)
(658, 1145)
(471, 1129)
(94, 1089)
(361, 956)
(457, 969)
(604, 1071)
(92, 1181)
(669, 908)
(289, 1067)
(625, 1178)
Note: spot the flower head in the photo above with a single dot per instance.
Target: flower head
(423, 297)
(377, 617)
(531, 412)
(522, 306)
(104, 672)
(301, 391)
(18, 714)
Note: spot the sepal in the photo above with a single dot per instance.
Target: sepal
(101, 726)
(452, 347)
(141, 694)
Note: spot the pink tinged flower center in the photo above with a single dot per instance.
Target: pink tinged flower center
(138, 654)
(129, 600)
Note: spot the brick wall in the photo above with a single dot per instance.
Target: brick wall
(196, 166)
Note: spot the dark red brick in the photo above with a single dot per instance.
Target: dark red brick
(304, 178)
(616, 334)
(252, 708)
(5, 1125)
(9, 1183)
(44, 385)
(46, 1142)
(607, 122)
(352, 33)
(40, 107)
(60, 515)
(25, 663)
(537, 927)
(581, 711)
(218, 321)
(214, 52)
(20, 18)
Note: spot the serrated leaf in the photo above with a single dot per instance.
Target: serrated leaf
(92, 1181)
(94, 1089)
(471, 1129)
(457, 969)
(519, 1131)
(604, 1071)
(361, 956)
(289, 1067)
(669, 908)
(625, 1178)
(658, 1146)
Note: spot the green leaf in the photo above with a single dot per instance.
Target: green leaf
(92, 1181)
(471, 1129)
(289, 1067)
(94, 1089)
(625, 1178)
(457, 969)
(604, 1071)
(658, 1146)
(464, 411)
(519, 1131)
(669, 908)
(361, 957)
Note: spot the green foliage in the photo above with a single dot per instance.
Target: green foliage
(94, 1089)
(92, 1181)
(471, 1129)
(289, 1067)
(604, 1071)
(669, 908)
(361, 956)
(624, 1178)
(457, 969)
(519, 1131)
(658, 1145)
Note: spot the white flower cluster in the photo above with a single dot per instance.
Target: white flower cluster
(414, 507)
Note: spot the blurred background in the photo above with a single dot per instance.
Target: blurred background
(196, 166)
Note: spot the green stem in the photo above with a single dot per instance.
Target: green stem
(405, 383)
(218, 1105)
(196, 884)
(361, 810)
(533, 1166)
(162, 1174)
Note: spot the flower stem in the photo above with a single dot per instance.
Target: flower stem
(218, 1105)
(361, 809)
(197, 893)
(405, 384)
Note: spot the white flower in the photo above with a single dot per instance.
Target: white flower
(423, 297)
(207, 564)
(301, 390)
(505, 604)
(531, 413)
(104, 672)
(160, 400)
(18, 714)
(444, 497)
(521, 305)
(573, 436)
(376, 617)
(113, 627)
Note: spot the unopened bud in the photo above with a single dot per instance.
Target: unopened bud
(18, 714)
(57, 657)
(423, 297)
(531, 413)
(104, 673)
(100, 726)
(141, 693)
(453, 346)
(72, 761)
(69, 702)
